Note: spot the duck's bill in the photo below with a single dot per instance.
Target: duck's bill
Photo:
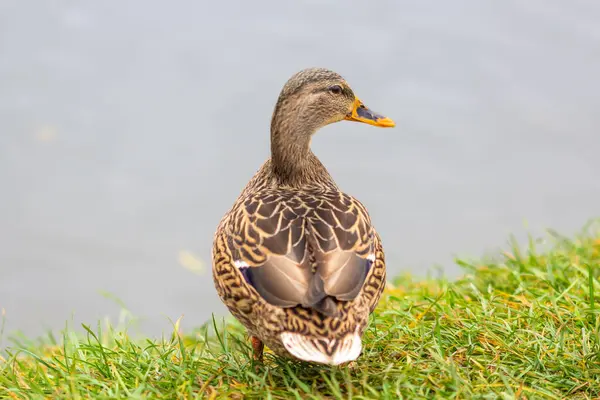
(360, 113)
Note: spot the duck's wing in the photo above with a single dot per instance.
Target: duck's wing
(302, 248)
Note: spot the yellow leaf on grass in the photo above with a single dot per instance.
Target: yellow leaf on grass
(45, 133)
(191, 262)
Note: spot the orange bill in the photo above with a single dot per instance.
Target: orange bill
(360, 113)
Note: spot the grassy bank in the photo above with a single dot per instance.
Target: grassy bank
(523, 325)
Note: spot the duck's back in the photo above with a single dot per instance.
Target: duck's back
(293, 262)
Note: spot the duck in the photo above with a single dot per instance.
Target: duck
(296, 260)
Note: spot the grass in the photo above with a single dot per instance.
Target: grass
(525, 324)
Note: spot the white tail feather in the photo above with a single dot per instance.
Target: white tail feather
(322, 350)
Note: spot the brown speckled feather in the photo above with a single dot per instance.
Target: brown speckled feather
(298, 248)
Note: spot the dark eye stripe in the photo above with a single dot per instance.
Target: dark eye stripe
(336, 89)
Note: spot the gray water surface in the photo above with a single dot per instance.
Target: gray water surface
(127, 129)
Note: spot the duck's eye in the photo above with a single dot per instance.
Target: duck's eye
(335, 89)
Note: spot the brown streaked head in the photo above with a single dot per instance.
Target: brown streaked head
(319, 97)
(309, 100)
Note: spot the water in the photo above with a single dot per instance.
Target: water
(127, 130)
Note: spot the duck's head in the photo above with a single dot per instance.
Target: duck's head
(316, 97)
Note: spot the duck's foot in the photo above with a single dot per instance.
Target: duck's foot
(257, 346)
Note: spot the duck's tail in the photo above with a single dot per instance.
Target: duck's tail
(332, 351)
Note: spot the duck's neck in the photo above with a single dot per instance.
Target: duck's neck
(293, 163)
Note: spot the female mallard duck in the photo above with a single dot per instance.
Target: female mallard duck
(296, 260)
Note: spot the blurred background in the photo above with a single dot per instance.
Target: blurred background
(127, 129)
